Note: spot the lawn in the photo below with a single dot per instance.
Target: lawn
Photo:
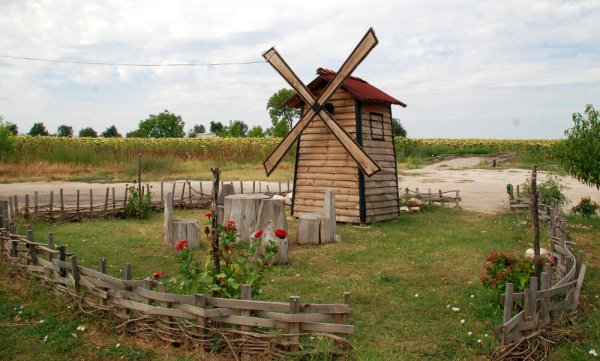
(405, 277)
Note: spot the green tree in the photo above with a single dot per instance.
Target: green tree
(162, 125)
(10, 126)
(88, 132)
(217, 128)
(256, 132)
(38, 129)
(196, 129)
(580, 152)
(7, 140)
(236, 129)
(65, 131)
(279, 112)
(111, 132)
(280, 130)
(398, 129)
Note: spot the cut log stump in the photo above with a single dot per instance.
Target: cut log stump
(319, 228)
(243, 209)
(226, 190)
(186, 229)
(272, 211)
(309, 229)
(281, 257)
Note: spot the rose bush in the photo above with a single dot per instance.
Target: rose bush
(501, 268)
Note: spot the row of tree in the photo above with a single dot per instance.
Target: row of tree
(170, 125)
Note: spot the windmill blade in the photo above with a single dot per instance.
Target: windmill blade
(275, 157)
(277, 62)
(364, 161)
(364, 47)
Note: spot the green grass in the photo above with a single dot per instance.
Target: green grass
(436, 254)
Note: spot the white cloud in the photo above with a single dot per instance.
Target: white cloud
(465, 68)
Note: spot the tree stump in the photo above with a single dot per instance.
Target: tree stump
(281, 257)
(243, 209)
(308, 229)
(328, 226)
(226, 190)
(187, 229)
(272, 211)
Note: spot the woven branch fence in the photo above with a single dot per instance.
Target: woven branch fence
(440, 196)
(557, 289)
(244, 327)
(59, 206)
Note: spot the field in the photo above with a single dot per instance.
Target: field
(115, 159)
(404, 276)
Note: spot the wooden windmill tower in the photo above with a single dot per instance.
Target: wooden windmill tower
(345, 141)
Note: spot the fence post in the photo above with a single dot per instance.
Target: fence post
(162, 193)
(27, 206)
(62, 200)
(35, 204)
(294, 326)
(103, 301)
(200, 301)
(62, 255)
(75, 272)
(16, 204)
(106, 199)
(114, 201)
(507, 314)
(77, 204)
(342, 318)
(91, 201)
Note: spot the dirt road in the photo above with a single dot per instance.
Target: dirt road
(482, 190)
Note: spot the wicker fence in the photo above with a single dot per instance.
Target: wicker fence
(244, 327)
(440, 196)
(58, 205)
(556, 290)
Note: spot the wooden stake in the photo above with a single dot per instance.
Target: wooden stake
(200, 301)
(16, 203)
(106, 199)
(216, 173)
(77, 202)
(75, 272)
(162, 193)
(139, 174)
(190, 193)
(536, 221)
(114, 201)
(241, 187)
(125, 198)
(294, 326)
(51, 205)
(27, 206)
(35, 203)
(62, 200)
(91, 201)
(62, 255)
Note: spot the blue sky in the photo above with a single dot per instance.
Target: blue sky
(507, 69)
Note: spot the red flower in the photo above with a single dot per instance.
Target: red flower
(280, 233)
(182, 244)
(157, 275)
(208, 214)
(231, 222)
(258, 234)
(266, 263)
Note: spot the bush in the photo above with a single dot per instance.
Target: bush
(586, 207)
(241, 264)
(501, 269)
(550, 191)
(137, 206)
(7, 141)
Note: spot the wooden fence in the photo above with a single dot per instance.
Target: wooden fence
(440, 196)
(556, 290)
(57, 205)
(244, 326)
(520, 203)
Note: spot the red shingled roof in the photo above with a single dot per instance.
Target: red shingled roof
(362, 90)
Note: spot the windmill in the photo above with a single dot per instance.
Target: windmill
(331, 134)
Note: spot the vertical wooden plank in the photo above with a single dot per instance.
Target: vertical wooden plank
(260, 187)
(106, 199)
(62, 200)
(16, 204)
(241, 187)
(279, 187)
(114, 201)
(190, 193)
(51, 204)
(173, 191)
(294, 326)
(342, 318)
(200, 301)
(127, 272)
(75, 272)
(148, 286)
(62, 255)
(27, 206)
(183, 191)
(148, 191)
(35, 203)
(29, 233)
(11, 207)
(507, 314)
(201, 191)
(91, 200)
(246, 294)
(288, 186)
(533, 289)
(14, 250)
(253, 186)
(162, 193)
(77, 203)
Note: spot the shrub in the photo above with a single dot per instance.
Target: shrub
(7, 141)
(586, 207)
(550, 191)
(137, 206)
(501, 269)
(240, 263)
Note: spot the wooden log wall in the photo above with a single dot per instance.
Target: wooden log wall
(556, 290)
(324, 163)
(381, 189)
(251, 327)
